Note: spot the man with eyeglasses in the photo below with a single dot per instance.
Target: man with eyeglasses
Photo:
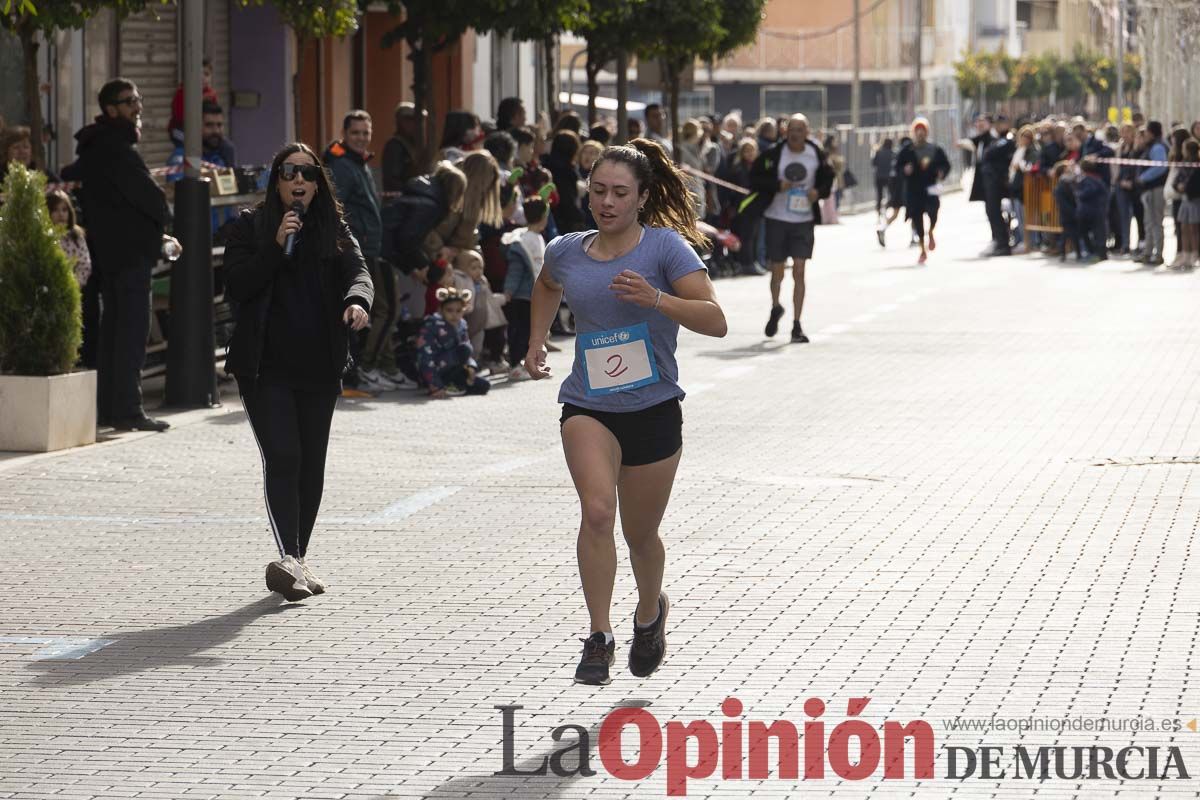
(125, 211)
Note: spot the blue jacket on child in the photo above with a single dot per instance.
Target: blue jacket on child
(519, 281)
(1091, 197)
(441, 347)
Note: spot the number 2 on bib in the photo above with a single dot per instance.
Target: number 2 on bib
(617, 360)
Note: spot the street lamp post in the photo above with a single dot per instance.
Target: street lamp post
(1120, 57)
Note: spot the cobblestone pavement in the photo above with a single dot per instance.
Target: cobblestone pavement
(974, 494)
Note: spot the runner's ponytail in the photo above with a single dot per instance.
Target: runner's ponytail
(668, 200)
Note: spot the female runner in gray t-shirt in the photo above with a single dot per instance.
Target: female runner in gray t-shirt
(630, 285)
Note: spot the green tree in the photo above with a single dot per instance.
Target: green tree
(611, 28)
(40, 323)
(687, 30)
(1068, 80)
(313, 20)
(985, 75)
(1097, 71)
(27, 19)
(1032, 78)
(972, 72)
(1133, 72)
(428, 27)
(542, 21)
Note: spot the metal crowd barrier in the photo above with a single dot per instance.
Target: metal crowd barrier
(1041, 212)
(858, 146)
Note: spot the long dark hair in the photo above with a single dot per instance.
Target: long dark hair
(668, 201)
(324, 222)
(57, 198)
(454, 132)
(1178, 136)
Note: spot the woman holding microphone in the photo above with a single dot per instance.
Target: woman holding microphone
(630, 284)
(300, 284)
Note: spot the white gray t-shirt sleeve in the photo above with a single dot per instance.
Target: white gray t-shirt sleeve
(679, 259)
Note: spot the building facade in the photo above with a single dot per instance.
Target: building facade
(254, 57)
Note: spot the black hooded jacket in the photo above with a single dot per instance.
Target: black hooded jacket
(125, 209)
(254, 262)
(409, 219)
(764, 180)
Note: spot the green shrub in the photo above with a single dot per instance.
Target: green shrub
(40, 322)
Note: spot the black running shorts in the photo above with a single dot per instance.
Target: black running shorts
(789, 239)
(645, 436)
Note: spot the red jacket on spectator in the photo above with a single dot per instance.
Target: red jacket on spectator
(176, 123)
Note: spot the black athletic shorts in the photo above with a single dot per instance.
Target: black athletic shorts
(645, 436)
(784, 239)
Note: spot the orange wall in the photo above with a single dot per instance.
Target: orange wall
(387, 81)
(308, 94)
(388, 78)
(786, 14)
(339, 86)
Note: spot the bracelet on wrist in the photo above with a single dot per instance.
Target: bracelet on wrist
(658, 299)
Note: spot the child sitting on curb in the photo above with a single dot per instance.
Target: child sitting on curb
(525, 251)
(444, 353)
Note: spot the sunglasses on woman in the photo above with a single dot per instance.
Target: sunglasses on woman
(289, 171)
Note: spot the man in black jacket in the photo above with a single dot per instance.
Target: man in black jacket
(977, 144)
(347, 162)
(401, 161)
(126, 212)
(993, 171)
(788, 180)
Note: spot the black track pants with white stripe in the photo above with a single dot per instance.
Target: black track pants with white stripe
(291, 427)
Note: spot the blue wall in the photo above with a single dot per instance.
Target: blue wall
(259, 63)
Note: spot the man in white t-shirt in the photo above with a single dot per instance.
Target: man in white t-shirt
(794, 175)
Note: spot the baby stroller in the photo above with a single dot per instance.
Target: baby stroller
(721, 258)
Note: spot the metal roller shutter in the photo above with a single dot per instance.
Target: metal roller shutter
(216, 47)
(149, 56)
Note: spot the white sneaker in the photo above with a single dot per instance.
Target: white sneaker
(519, 373)
(377, 379)
(398, 379)
(286, 577)
(315, 584)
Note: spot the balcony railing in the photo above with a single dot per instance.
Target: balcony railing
(882, 49)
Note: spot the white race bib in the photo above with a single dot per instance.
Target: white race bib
(617, 360)
(797, 201)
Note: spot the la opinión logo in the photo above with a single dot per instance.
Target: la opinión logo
(738, 749)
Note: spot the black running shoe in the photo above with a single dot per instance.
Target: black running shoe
(597, 658)
(773, 322)
(798, 336)
(649, 644)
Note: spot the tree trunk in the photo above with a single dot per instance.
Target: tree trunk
(33, 97)
(300, 43)
(551, 83)
(671, 72)
(622, 98)
(421, 55)
(593, 65)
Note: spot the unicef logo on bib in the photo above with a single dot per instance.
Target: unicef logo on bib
(617, 360)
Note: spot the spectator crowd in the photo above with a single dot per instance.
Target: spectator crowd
(454, 242)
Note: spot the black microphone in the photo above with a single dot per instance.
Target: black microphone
(289, 244)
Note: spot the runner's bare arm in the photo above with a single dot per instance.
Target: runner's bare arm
(694, 305)
(547, 294)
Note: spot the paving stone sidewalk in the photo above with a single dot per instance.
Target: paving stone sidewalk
(975, 493)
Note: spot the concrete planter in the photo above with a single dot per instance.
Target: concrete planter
(47, 413)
